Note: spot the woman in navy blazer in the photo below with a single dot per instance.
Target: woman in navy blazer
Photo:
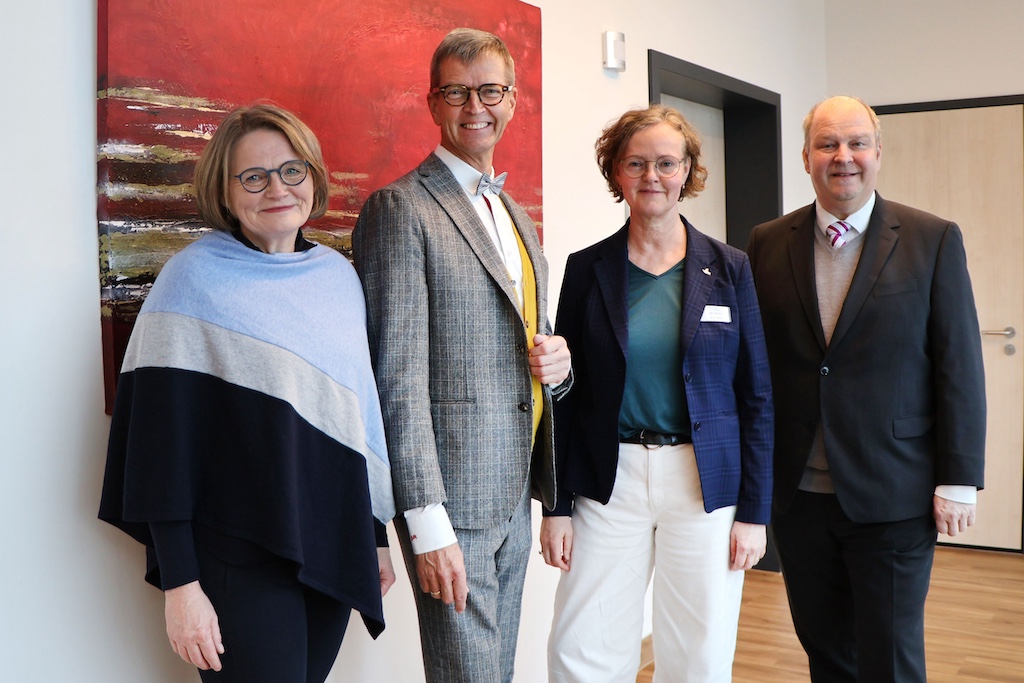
(665, 441)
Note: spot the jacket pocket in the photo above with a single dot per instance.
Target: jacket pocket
(911, 427)
(890, 288)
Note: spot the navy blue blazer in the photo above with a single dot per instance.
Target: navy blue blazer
(725, 372)
(900, 390)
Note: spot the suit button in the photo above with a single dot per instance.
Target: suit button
(687, 378)
(696, 426)
(524, 407)
(824, 371)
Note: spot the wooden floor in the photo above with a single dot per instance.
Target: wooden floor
(974, 623)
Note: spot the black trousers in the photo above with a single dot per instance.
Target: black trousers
(275, 630)
(856, 591)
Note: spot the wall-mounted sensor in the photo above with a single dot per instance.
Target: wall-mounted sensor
(614, 51)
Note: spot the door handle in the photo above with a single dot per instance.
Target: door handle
(1009, 332)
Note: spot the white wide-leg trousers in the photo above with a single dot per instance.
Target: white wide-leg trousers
(655, 517)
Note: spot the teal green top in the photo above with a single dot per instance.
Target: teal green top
(654, 397)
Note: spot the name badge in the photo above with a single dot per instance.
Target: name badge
(716, 314)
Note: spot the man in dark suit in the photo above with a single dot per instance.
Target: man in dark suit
(880, 403)
(456, 293)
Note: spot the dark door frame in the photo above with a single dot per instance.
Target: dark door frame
(940, 105)
(753, 137)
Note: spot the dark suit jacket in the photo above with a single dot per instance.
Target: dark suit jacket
(900, 391)
(725, 371)
(449, 348)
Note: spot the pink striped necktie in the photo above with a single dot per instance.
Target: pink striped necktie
(836, 233)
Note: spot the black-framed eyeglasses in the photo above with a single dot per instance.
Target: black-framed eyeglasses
(457, 94)
(257, 179)
(666, 167)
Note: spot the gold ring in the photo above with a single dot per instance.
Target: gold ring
(435, 594)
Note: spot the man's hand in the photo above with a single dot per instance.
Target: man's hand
(952, 517)
(442, 574)
(549, 359)
(556, 541)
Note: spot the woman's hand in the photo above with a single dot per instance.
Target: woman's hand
(747, 545)
(556, 541)
(387, 570)
(192, 626)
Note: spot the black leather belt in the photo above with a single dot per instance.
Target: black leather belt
(655, 439)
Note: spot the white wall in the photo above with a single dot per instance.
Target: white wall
(74, 607)
(777, 46)
(904, 51)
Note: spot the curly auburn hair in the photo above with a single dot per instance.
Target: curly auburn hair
(616, 136)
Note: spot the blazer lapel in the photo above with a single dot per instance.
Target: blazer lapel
(801, 256)
(613, 282)
(528, 233)
(879, 241)
(699, 273)
(445, 189)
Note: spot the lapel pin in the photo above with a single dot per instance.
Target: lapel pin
(706, 271)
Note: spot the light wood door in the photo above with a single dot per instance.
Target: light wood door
(967, 165)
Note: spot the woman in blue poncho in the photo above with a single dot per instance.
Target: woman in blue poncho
(247, 448)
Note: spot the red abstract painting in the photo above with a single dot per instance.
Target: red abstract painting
(356, 71)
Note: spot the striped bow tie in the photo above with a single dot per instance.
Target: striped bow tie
(493, 185)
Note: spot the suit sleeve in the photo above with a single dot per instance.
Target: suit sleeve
(568, 324)
(753, 388)
(959, 375)
(752, 249)
(388, 248)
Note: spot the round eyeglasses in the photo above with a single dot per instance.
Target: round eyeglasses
(457, 95)
(257, 179)
(666, 167)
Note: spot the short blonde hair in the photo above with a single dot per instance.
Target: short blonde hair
(213, 172)
(617, 135)
(467, 45)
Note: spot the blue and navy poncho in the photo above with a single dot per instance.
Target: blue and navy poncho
(247, 404)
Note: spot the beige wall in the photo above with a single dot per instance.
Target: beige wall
(74, 608)
(904, 51)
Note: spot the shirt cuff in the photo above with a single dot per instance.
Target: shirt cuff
(562, 388)
(429, 528)
(958, 493)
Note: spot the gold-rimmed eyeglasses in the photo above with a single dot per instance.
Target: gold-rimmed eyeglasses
(666, 167)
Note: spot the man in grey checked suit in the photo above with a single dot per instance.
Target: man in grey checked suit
(464, 369)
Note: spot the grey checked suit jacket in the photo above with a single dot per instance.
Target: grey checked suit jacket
(449, 348)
